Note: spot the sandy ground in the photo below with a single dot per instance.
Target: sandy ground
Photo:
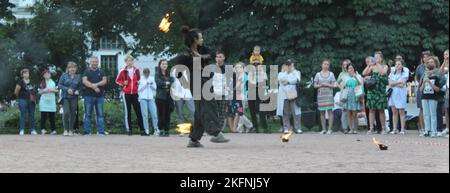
(246, 153)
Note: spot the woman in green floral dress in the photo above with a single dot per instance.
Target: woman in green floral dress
(376, 98)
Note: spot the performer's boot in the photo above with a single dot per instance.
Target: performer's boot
(220, 138)
(194, 144)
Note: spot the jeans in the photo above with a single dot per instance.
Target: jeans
(179, 108)
(149, 105)
(91, 103)
(429, 115)
(26, 107)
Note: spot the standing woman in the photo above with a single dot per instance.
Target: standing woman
(353, 104)
(397, 101)
(343, 76)
(430, 88)
(47, 102)
(164, 102)
(206, 119)
(70, 84)
(287, 94)
(324, 82)
(27, 101)
(147, 92)
(129, 78)
(376, 98)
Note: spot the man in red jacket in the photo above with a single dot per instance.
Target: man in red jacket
(129, 78)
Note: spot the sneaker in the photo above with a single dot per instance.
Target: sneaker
(425, 134)
(194, 144)
(369, 132)
(33, 132)
(70, 133)
(65, 133)
(298, 131)
(329, 132)
(21, 132)
(220, 138)
(421, 132)
(394, 132)
(403, 132)
(53, 133)
(385, 132)
(106, 133)
(43, 132)
(443, 133)
(285, 131)
(323, 132)
(101, 134)
(446, 136)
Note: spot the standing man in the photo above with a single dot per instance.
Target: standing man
(94, 81)
(221, 88)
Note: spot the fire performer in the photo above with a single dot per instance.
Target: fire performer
(206, 119)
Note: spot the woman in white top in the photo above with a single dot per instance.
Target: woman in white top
(397, 101)
(147, 92)
(287, 93)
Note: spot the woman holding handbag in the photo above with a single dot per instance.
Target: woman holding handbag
(353, 105)
(376, 97)
(287, 95)
(324, 82)
(25, 93)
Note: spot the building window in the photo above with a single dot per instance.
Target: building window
(110, 43)
(109, 65)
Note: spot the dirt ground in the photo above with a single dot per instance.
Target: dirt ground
(252, 153)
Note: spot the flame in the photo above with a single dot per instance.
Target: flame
(164, 26)
(184, 128)
(285, 137)
(380, 145)
(376, 141)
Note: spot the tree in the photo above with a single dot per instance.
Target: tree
(5, 10)
(311, 30)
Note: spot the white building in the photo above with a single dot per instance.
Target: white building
(21, 9)
(111, 52)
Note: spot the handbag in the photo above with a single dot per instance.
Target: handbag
(344, 95)
(371, 84)
(33, 98)
(389, 92)
(359, 91)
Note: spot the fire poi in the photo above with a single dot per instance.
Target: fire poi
(380, 145)
(164, 26)
(285, 137)
(184, 128)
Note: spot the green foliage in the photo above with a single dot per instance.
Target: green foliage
(311, 30)
(5, 11)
